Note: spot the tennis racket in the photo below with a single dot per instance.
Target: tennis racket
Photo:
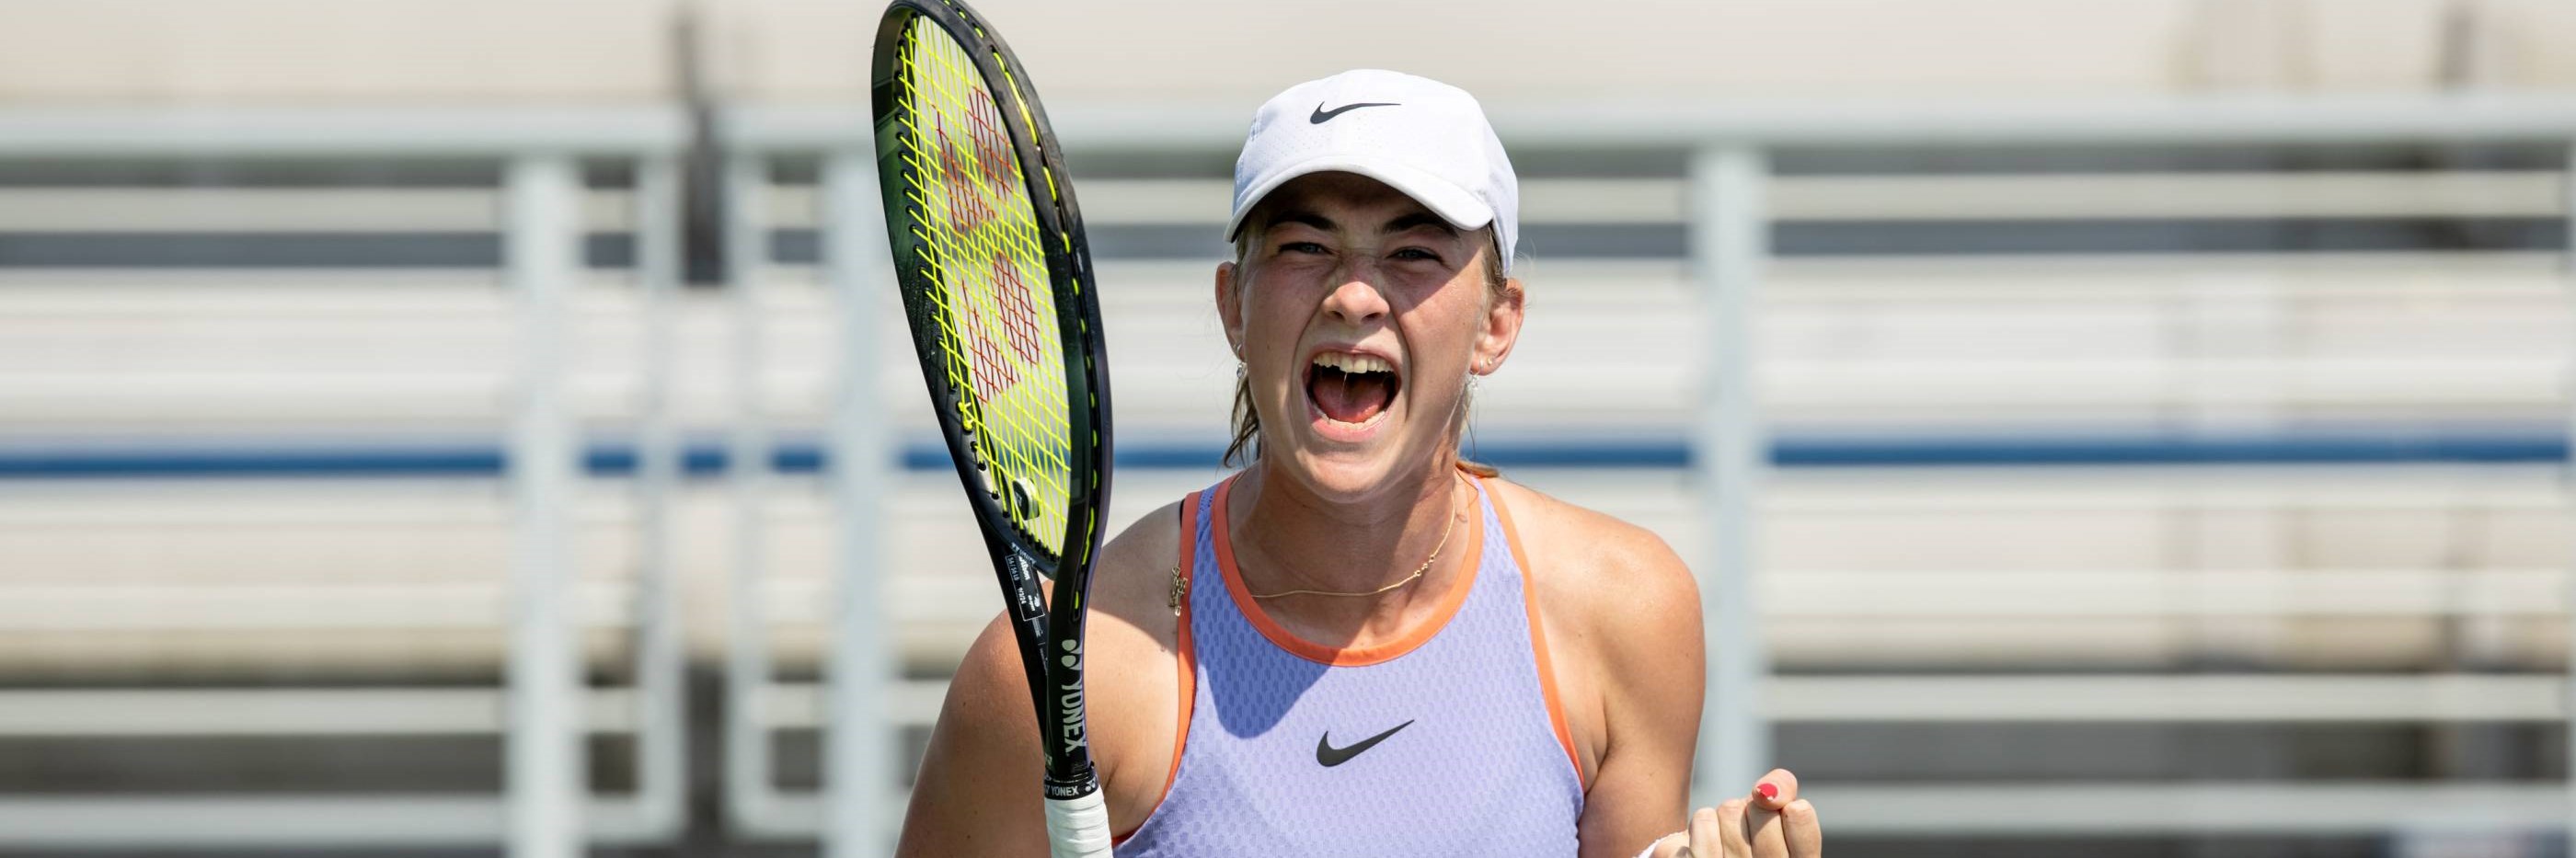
(997, 284)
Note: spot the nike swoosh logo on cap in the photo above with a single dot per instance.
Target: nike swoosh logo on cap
(1322, 116)
(1331, 756)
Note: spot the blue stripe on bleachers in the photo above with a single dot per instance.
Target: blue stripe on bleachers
(2346, 445)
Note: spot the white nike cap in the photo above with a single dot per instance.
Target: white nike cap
(1425, 138)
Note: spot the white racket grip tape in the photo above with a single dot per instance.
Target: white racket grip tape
(1078, 827)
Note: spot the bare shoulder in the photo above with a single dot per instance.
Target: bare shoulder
(1134, 570)
(1132, 622)
(1598, 571)
(1621, 613)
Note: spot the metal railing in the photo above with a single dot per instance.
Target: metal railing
(547, 809)
(852, 815)
(1727, 177)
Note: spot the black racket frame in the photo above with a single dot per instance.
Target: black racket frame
(1049, 636)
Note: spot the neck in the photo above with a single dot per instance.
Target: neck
(1286, 537)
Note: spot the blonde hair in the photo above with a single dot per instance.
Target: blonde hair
(1245, 448)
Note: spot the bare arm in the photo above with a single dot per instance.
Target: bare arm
(977, 794)
(1643, 614)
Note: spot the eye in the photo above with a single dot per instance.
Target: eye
(1301, 247)
(1417, 253)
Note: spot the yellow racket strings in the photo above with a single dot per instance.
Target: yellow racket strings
(979, 242)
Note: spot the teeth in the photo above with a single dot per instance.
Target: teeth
(1353, 363)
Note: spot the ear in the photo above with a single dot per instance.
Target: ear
(1502, 329)
(1229, 308)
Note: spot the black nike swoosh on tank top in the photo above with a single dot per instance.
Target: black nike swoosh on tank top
(1331, 756)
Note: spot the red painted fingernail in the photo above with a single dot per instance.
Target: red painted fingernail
(1767, 790)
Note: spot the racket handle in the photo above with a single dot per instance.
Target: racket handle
(1078, 827)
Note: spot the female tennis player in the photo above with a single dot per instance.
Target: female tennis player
(1361, 644)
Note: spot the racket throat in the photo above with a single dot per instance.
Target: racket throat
(1071, 729)
(1024, 574)
(1080, 783)
(1067, 715)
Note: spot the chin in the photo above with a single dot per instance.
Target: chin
(1351, 473)
(1340, 476)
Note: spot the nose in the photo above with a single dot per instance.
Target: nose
(1356, 302)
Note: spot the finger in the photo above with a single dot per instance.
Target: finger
(1776, 790)
(1806, 838)
(1731, 829)
(1704, 835)
(1762, 829)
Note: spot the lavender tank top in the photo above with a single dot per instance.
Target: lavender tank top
(1445, 742)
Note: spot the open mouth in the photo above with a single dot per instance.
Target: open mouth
(1351, 388)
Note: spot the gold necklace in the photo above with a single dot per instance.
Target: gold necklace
(1408, 579)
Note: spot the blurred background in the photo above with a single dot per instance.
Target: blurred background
(2170, 496)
